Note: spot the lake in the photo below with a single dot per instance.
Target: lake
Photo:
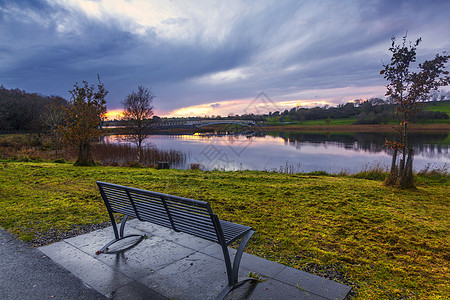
(298, 152)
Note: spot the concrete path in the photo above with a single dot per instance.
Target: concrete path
(170, 265)
(25, 273)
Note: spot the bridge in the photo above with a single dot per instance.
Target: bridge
(202, 123)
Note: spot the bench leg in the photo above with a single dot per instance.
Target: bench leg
(233, 271)
(118, 234)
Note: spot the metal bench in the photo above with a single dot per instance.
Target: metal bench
(180, 214)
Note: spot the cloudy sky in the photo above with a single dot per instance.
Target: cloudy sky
(213, 57)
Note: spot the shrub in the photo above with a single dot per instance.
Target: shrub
(195, 166)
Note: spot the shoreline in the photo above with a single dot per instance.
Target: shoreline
(358, 128)
(437, 128)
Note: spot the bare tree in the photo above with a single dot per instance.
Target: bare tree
(52, 119)
(407, 90)
(137, 113)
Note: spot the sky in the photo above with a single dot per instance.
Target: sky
(214, 57)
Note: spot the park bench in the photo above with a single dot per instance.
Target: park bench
(185, 215)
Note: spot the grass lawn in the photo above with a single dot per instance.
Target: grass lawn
(387, 243)
(443, 106)
(346, 121)
(441, 121)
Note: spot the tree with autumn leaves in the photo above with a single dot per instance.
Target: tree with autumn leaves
(83, 117)
(408, 90)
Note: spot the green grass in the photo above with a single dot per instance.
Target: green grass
(443, 106)
(387, 243)
(346, 121)
(430, 121)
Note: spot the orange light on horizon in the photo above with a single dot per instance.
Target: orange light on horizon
(114, 114)
(224, 108)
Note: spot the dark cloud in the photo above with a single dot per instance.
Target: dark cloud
(281, 48)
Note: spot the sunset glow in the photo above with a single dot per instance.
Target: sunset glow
(114, 114)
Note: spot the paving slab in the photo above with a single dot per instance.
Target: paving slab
(135, 291)
(152, 253)
(198, 276)
(95, 240)
(93, 272)
(174, 265)
(315, 284)
(254, 263)
(271, 289)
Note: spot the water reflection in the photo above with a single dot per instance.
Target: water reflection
(331, 152)
(428, 145)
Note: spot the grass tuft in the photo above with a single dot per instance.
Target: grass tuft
(376, 172)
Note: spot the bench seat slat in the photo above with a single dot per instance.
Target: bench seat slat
(145, 216)
(151, 211)
(174, 208)
(192, 202)
(160, 222)
(181, 205)
(125, 211)
(206, 219)
(119, 203)
(116, 199)
(199, 233)
(194, 225)
(144, 203)
(232, 228)
(153, 207)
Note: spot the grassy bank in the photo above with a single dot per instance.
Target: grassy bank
(445, 128)
(387, 243)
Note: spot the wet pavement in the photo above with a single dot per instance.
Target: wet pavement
(26, 273)
(170, 265)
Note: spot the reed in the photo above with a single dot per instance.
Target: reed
(126, 155)
(34, 147)
(372, 172)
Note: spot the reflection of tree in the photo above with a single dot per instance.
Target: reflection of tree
(372, 142)
(432, 150)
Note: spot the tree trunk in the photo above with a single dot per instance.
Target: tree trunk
(391, 179)
(84, 156)
(406, 179)
(405, 146)
(139, 150)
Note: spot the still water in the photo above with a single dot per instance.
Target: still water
(298, 152)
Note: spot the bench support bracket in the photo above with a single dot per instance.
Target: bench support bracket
(118, 234)
(233, 271)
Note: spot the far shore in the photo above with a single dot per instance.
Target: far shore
(442, 128)
(358, 128)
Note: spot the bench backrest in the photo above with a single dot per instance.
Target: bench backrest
(180, 214)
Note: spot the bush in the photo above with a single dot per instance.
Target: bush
(195, 166)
